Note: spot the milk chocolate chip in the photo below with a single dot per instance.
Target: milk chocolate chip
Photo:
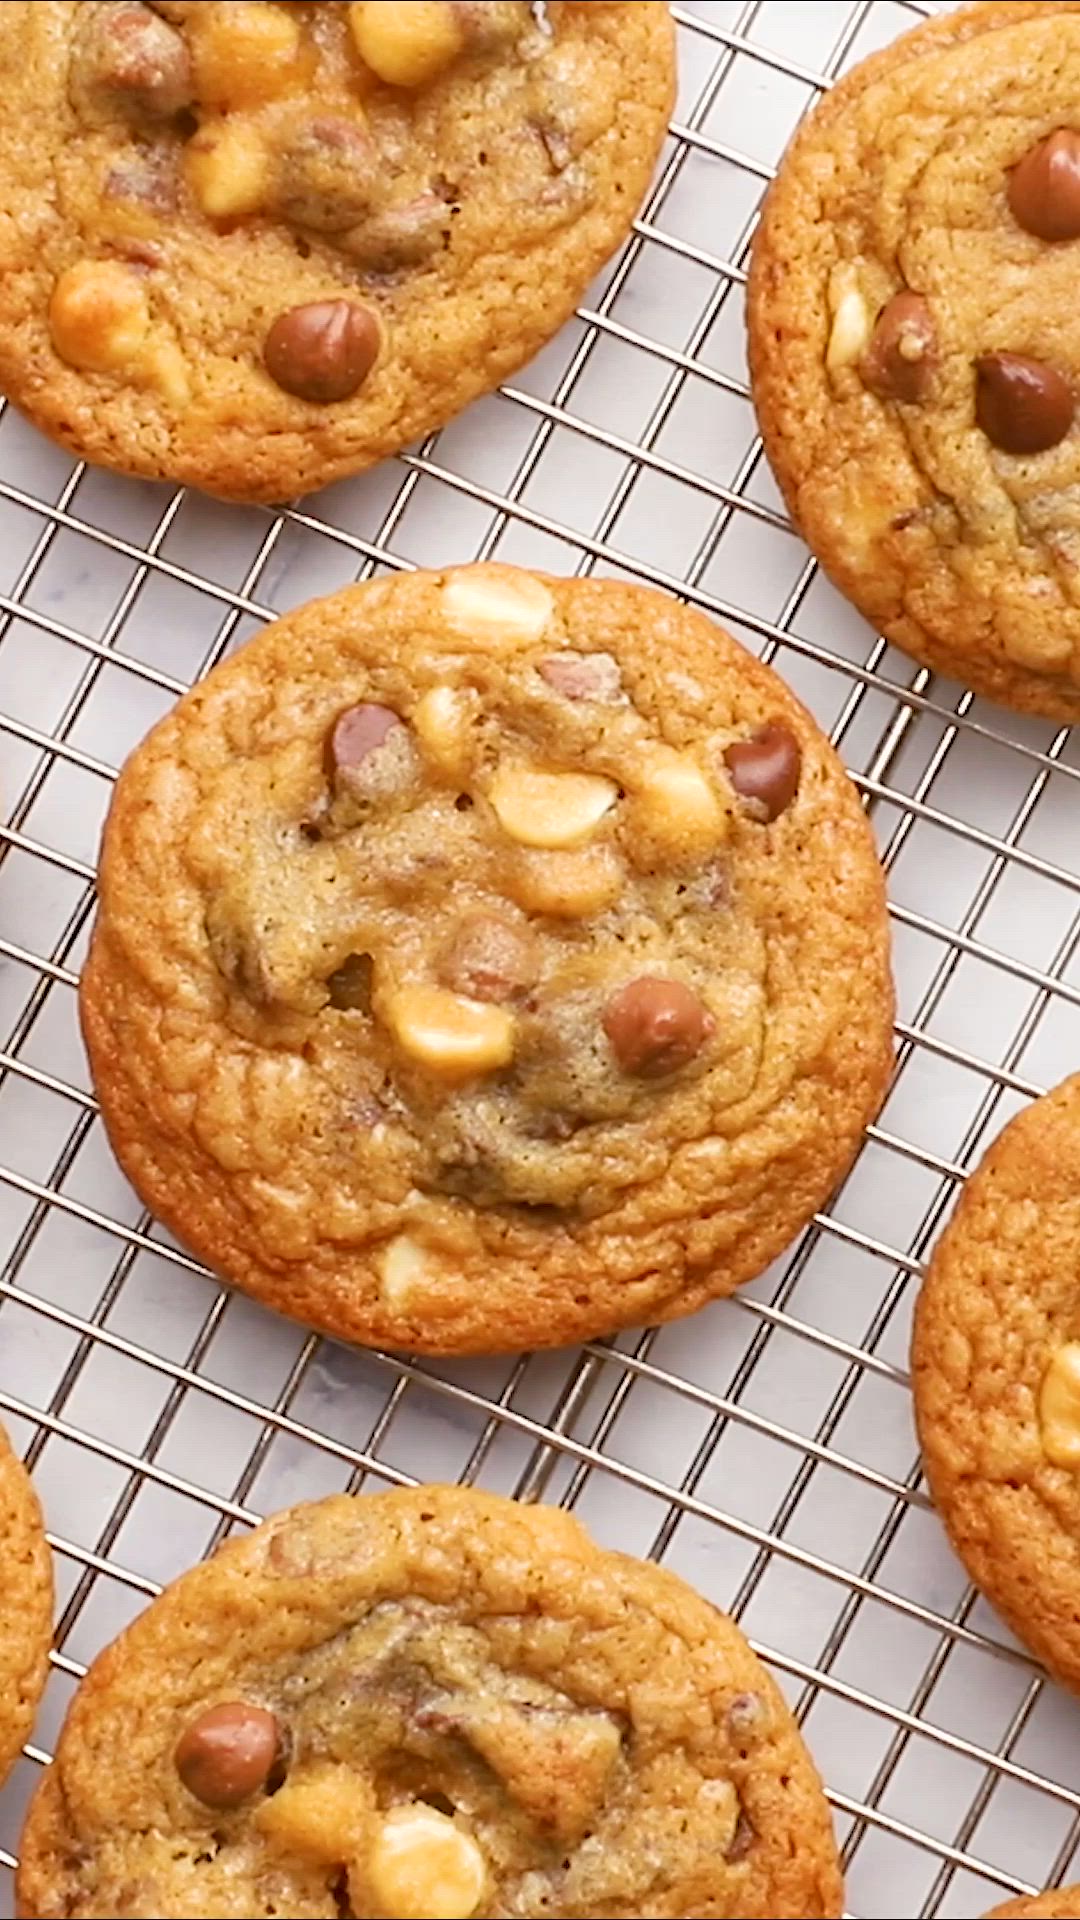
(349, 986)
(489, 958)
(329, 174)
(145, 177)
(1044, 190)
(129, 65)
(1022, 406)
(765, 769)
(487, 26)
(583, 676)
(899, 362)
(370, 752)
(323, 351)
(656, 1026)
(400, 236)
(228, 1753)
(742, 1840)
(357, 732)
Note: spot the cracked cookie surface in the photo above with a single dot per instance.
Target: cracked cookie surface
(256, 247)
(26, 1612)
(430, 1702)
(915, 346)
(488, 960)
(996, 1375)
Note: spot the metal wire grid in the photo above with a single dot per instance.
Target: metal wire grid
(766, 1451)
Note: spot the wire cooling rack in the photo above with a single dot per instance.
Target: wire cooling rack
(764, 1450)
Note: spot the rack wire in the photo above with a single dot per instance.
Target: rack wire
(766, 1450)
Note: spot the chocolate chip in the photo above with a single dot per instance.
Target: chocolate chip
(488, 26)
(489, 958)
(1044, 190)
(323, 351)
(742, 1839)
(357, 733)
(146, 177)
(349, 986)
(399, 236)
(127, 64)
(765, 769)
(228, 1753)
(370, 756)
(656, 1026)
(583, 676)
(328, 174)
(899, 363)
(1022, 406)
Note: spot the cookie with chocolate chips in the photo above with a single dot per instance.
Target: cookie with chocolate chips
(26, 1605)
(915, 345)
(485, 961)
(255, 247)
(996, 1376)
(428, 1703)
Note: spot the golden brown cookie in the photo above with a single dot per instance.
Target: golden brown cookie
(428, 1703)
(1057, 1903)
(996, 1362)
(487, 960)
(915, 345)
(26, 1602)
(257, 247)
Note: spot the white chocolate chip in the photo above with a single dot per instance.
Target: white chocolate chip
(322, 1812)
(498, 606)
(539, 809)
(723, 1803)
(243, 56)
(228, 169)
(406, 45)
(448, 1033)
(167, 370)
(569, 883)
(675, 805)
(1059, 1407)
(440, 722)
(99, 316)
(851, 325)
(423, 1867)
(405, 1266)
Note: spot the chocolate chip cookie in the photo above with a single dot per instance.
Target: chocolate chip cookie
(996, 1364)
(1057, 1903)
(486, 960)
(431, 1703)
(915, 346)
(257, 247)
(26, 1601)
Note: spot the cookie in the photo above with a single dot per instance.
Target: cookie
(1057, 1903)
(428, 1703)
(996, 1363)
(256, 247)
(26, 1612)
(915, 346)
(486, 960)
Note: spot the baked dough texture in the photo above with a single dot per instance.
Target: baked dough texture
(487, 960)
(27, 1606)
(428, 1702)
(429, 187)
(915, 348)
(993, 1358)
